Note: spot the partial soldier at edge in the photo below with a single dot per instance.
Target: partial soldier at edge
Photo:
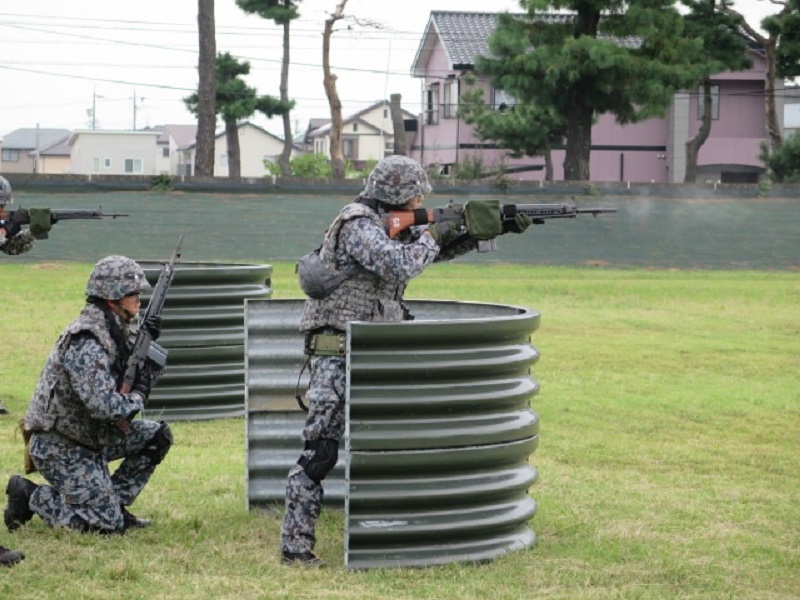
(13, 239)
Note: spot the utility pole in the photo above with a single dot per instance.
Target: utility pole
(93, 110)
(135, 107)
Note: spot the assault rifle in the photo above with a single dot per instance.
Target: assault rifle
(458, 215)
(144, 347)
(41, 220)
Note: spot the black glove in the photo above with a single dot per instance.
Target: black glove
(518, 224)
(152, 325)
(443, 233)
(143, 383)
(12, 228)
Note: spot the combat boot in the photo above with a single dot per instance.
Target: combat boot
(18, 511)
(131, 521)
(302, 559)
(9, 557)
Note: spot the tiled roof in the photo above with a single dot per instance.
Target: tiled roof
(57, 148)
(465, 36)
(25, 139)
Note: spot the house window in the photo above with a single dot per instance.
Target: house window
(350, 148)
(106, 163)
(165, 152)
(714, 102)
(450, 104)
(355, 127)
(502, 100)
(385, 113)
(133, 165)
(10, 155)
(432, 105)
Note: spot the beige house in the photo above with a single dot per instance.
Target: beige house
(366, 135)
(109, 152)
(34, 150)
(256, 145)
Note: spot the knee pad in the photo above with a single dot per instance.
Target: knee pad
(159, 444)
(326, 453)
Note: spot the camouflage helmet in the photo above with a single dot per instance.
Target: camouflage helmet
(6, 197)
(397, 179)
(114, 277)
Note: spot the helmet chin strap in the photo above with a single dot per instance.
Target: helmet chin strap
(122, 311)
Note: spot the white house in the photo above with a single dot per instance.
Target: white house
(366, 135)
(108, 152)
(256, 145)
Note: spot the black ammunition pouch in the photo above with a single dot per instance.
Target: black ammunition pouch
(322, 462)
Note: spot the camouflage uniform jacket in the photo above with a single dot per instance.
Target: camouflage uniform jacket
(77, 391)
(378, 268)
(19, 244)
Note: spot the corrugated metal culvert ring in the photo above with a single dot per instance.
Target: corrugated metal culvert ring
(203, 329)
(434, 467)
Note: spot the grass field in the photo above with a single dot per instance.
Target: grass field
(670, 414)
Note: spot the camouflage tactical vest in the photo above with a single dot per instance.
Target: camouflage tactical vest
(363, 296)
(54, 405)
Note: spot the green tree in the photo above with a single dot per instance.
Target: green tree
(282, 12)
(774, 26)
(235, 100)
(607, 56)
(784, 163)
(522, 129)
(724, 50)
(311, 166)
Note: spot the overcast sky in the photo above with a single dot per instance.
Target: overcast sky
(62, 58)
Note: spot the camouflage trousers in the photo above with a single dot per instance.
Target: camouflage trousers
(83, 494)
(325, 398)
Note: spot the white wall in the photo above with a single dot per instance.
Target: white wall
(96, 152)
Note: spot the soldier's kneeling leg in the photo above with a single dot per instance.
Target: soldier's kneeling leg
(159, 445)
(326, 453)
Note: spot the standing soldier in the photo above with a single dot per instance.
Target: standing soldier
(78, 421)
(377, 270)
(12, 239)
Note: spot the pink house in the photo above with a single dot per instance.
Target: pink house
(650, 151)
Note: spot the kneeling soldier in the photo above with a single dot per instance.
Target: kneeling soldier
(78, 421)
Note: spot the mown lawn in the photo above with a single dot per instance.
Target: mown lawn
(670, 417)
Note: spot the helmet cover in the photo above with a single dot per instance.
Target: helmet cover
(397, 179)
(114, 277)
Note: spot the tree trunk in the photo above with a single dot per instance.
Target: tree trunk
(234, 154)
(286, 155)
(329, 82)
(206, 90)
(548, 163)
(693, 146)
(398, 125)
(579, 141)
(773, 126)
